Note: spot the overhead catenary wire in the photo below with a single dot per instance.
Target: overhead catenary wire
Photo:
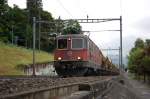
(102, 31)
(82, 9)
(121, 7)
(61, 4)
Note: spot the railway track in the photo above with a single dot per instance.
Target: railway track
(12, 85)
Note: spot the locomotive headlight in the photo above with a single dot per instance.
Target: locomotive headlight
(79, 58)
(69, 38)
(59, 58)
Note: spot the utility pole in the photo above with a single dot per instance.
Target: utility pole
(39, 46)
(39, 3)
(12, 34)
(27, 13)
(34, 30)
(121, 61)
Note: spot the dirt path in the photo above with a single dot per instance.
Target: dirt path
(142, 88)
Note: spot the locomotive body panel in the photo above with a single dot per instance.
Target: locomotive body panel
(71, 55)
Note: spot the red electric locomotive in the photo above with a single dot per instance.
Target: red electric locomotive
(77, 55)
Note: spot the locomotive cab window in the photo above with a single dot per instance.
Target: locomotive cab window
(62, 44)
(77, 43)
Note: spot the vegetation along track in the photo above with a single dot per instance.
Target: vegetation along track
(23, 84)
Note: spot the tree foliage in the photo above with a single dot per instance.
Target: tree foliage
(135, 58)
(146, 63)
(139, 57)
(16, 26)
(71, 27)
(139, 43)
(3, 7)
(3, 11)
(15, 21)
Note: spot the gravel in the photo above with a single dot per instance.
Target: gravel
(13, 85)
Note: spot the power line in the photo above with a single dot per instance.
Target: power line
(83, 10)
(60, 3)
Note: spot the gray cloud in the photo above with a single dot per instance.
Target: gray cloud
(143, 24)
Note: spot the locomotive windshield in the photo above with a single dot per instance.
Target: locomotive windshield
(77, 43)
(62, 43)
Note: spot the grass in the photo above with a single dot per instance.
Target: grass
(11, 56)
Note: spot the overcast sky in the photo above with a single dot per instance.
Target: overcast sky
(135, 13)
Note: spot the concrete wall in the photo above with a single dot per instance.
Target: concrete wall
(54, 93)
(41, 69)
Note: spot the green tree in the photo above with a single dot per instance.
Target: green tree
(47, 43)
(146, 63)
(139, 58)
(134, 60)
(3, 7)
(139, 43)
(147, 47)
(3, 23)
(16, 22)
(136, 53)
(34, 7)
(135, 56)
(71, 27)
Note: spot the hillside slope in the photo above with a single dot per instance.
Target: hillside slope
(11, 56)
